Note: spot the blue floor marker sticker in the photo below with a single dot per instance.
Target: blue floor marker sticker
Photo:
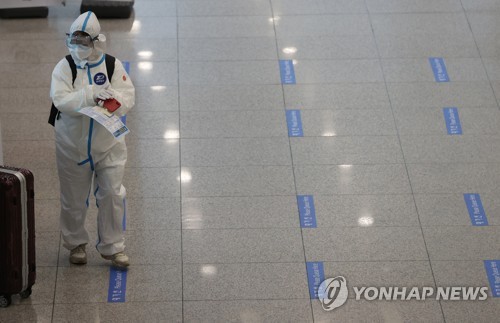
(493, 271)
(315, 276)
(452, 121)
(476, 210)
(294, 122)
(439, 69)
(287, 72)
(307, 211)
(117, 285)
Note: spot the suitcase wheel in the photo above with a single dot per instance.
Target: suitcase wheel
(5, 300)
(26, 293)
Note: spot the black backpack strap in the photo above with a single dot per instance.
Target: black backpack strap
(72, 65)
(110, 66)
(54, 112)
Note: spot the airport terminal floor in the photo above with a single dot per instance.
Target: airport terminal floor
(275, 144)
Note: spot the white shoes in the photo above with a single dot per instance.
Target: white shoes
(78, 256)
(118, 259)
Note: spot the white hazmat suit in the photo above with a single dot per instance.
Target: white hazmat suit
(85, 150)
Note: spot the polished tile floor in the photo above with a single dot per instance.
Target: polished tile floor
(213, 226)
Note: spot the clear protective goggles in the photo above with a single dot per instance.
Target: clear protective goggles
(73, 40)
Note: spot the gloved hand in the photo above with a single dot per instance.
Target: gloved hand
(102, 94)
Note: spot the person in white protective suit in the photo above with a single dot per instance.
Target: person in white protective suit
(86, 152)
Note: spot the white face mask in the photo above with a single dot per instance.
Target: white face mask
(80, 54)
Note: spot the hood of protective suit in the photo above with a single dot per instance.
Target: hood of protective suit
(88, 22)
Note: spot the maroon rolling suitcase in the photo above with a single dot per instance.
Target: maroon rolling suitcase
(17, 233)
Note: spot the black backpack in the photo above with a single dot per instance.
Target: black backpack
(110, 68)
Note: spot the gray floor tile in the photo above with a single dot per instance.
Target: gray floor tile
(245, 281)
(454, 178)
(381, 311)
(493, 68)
(35, 51)
(47, 215)
(451, 209)
(420, 70)
(224, 8)
(226, 49)
(483, 22)
(409, 6)
(24, 126)
(338, 71)
(32, 29)
(30, 154)
(152, 283)
(225, 73)
(328, 47)
(346, 150)
(139, 49)
(364, 244)
(27, 313)
(119, 312)
(163, 125)
(381, 274)
(462, 243)
(352, 179)
(47, 248)
(154, 73)
(230, 124)
(43, 290)
(337, 96)
(427, 45)
(159, 283)
(323, 25)
(365, 210)
(38, 101)
(152, 153)
(431, 121)
(242, 246)
(154, 247)
(152, 182)
(235, 152)
(248, 311)
(467, 311)
(46, 183)
(451, 149)
(240, 212)
(460, 273)
(350, 122)
(237, 181)
(311, 7)
(216, 27)
(155, 8)
(473, 94)
(153, 214)
(138, 28)
(33, 75)
(481, 5)
(487, 44)
(156, 98)
(231, 97)
(423, 23)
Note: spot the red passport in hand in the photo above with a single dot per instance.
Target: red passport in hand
(112, 104)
